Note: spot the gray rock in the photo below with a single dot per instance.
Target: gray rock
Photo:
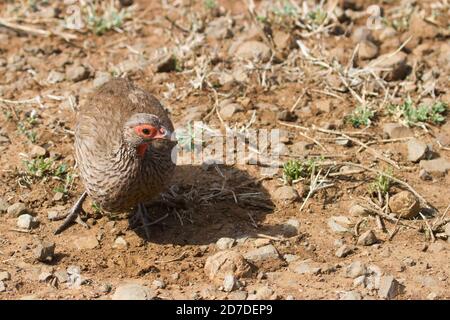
(226, 262)
(27, 222)
(101, 78)
(357, 210)
(77, 73)
(368, 238)
(120, 243)
(443, 139)
(389, 287)
(355, 269)
(220, 28)
(360, 281)
(44, 251)
(61, 275)
(55, 77)
(228, 110)
(289, 258)
(263, 253)
(447, 229)
(225, 243)
(361, 34)
(285, 194)
(283, 40)
(229, 283)
(74, 276)
(344, 251)
(262, 293)
(367, 50)
(254, 50)
(291, 228)
(88, 242)
(417, 150)
(350, 295)
(58, 196)
(439, 165)
(158, 284)
(237, 295)
(2, 287)
(4, 275)
(305, 267)
(339, 224)
(16, 209)
(396, 131)
(131, 291)
(37, 151)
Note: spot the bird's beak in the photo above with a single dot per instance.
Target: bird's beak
(164, 134)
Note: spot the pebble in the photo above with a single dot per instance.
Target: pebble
(355, 269)
(417, 150)
(131, 291)
(158, 284)
(447, 229)
(261, 293)
(367, 238)
(227, 111)
(5, 275)
(357, 210)
(229, 283)
(254, 50)
(88, 242)
(44, 276)
(389, 287)
(339, 224)
(268, 252)
(286, 194)
(220, 28)
(120, 243)
(225, 243)
(286, 115)
(237, 295)
(44, 251)
(405, 204)
(2, 287)
(344, 251)
(350, 295)
(396, 64)
(77, 73)
(16, 209)
(55, 77)
(61, 275)
(439, 165)
(226, 262)
(27, 222)
(305, 267)
(367, 50)
(101, 78)
(58, 196)
(291, 228)
(74, 276)
(396, 131)
(443, 139)
(282, 40)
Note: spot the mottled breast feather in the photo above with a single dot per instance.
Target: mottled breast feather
(114, 177)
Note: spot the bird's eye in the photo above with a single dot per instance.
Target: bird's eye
(146, 131)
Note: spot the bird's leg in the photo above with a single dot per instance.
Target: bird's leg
(73, 215)
(142, 213)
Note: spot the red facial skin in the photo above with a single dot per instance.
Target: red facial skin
(148, 131)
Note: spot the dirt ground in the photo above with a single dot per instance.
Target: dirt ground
(299, 66)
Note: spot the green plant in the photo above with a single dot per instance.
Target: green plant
(296, 169)
(26, 126)
(317, 16)
(99, 23)
(382, 183)
(287, 9)
(408, 114)
(39, 167)
(210, 4)
(361, 116)
(66, 186)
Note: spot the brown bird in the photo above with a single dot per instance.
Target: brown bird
(123, 148)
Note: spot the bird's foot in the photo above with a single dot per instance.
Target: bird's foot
(73, 215)
(142, 215)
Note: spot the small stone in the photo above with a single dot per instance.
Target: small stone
(417, 150)
(120, 243)
(289, 258)
(425, 175)
(282, 40)
(339, 224)
(286, 194)
(357, 210)
(420, 28)
(447, 229)
(305, 267)
(286, 115)
(44, 276)
(220, 28)
(226, 262)
(61, 275)
(37, 151)
(360, 281)
(367, 50)
(344, 251)
(101, 78)
(361, 34)
(44, 251)
(131, 291)
(261, 242)
(227, 111)
(404, 204)
(158, 284)
(55, 77)
(16, 209)
(88, 242)
(58, 196)
(351, 295)
(439, 165)
(2, 287)
(237, 295)
(389, 287)
(77, 73)
(254, 50)
(291, 228)
(395, 131)
(225, 243)
(5, 275)
(74, 272)
(262, 293)
(443, 139)
(396, 65)
(26, 222)
(263, 253)
(229, 283)
(433, 296)
(368, 238)
(355, 269)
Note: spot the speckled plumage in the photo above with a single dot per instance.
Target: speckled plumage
(112, 172)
